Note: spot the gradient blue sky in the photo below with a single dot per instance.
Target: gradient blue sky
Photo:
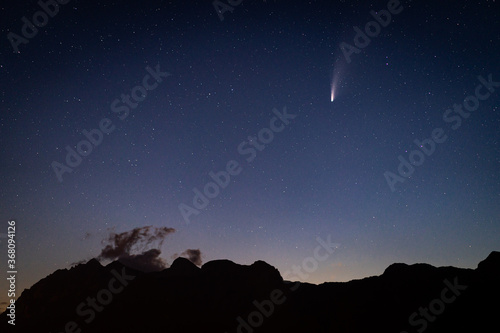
(322, 175)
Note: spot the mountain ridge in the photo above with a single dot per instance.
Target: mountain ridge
(222, 296)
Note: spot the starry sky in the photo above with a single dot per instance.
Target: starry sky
(217, 93)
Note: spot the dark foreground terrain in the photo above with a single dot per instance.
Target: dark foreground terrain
(226, 297)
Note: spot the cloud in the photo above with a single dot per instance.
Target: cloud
(148, 261)
(194, 255)
(79, 262)
(121, 246)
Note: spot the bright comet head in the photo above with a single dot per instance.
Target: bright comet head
(333, 87)
(332, 93)
(334, 83)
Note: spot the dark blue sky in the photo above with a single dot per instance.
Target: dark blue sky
(321, 173)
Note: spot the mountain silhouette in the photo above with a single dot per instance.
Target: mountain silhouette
(223, 296)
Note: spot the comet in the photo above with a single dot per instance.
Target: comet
(333, 87)
(337, 72)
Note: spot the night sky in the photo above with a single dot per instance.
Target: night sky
(249, 98)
